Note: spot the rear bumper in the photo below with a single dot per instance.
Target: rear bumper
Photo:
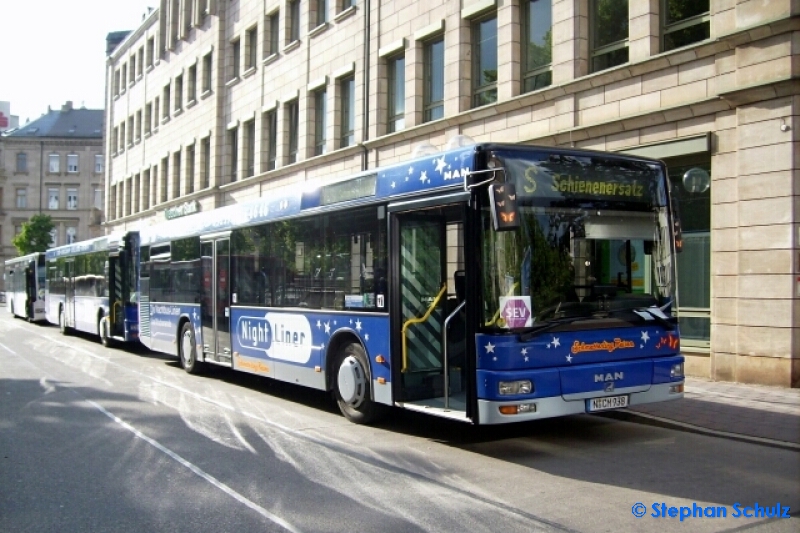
(489, 411)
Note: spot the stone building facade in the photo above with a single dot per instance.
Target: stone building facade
(53, 165)
(216, 102)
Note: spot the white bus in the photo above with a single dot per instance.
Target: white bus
(24, 282)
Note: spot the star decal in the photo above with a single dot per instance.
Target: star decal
(569, 358)
(358, 325)
(328, 328)
(393, 185)
(423, 177)
(490, 348)
(366, 337)
(556, 342)
(645, 337)
(319, 324)
(410, 170)
(440, 164)
(524, 351)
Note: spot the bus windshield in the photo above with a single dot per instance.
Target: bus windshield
(592, 248)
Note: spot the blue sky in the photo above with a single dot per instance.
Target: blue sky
(52, 51)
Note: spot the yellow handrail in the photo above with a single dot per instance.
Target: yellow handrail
(413, 321)
(113, 313)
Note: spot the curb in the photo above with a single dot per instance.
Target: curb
(644, 418)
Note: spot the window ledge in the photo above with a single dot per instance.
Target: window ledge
(177, 112)
(205, 94)
(344, 14)
(147, 135)
(149, 68)
(269, 59)
(164, 120)
(232, 82)
(319, 29)
(249, 72)
(191, 103)
(292, 45)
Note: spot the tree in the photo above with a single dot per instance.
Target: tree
(35, 235)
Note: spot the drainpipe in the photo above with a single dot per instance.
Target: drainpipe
(41, 174)
(365, 126)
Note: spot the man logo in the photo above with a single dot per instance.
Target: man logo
(608, 376)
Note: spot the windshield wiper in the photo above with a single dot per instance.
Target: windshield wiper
(647, 314)
(532, 331)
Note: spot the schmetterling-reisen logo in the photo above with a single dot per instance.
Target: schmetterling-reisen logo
(737, 510)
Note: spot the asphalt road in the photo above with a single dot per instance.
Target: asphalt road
(93, 439)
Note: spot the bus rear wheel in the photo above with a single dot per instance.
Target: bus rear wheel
(352, 387)
(187, 350)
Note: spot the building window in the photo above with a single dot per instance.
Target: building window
(176, 175)
(433, 68)
(694, 262)
(54, 237)
(397, 93)
(98, 198)
(236, 51)
(207, 63)
(270, 139)
(140, 62)
(131, 130)
(189, 179)
(205, 147)
(52, 198)
(71, 234)
(293, 121)
(179, 92)
(537, 45)
(155, 113)
(98, 163)
(162, 189)
(151, 49)
(148, 118)
(271, 35)
(609, 31)
(294, 21)
(320, 120)
(250, 148)
(251, 47)
(191, 85)
(139, 125)
(54, 163)
(484, 64)
(22, 198)
(347, 118)
(72, 163)
(145, 191)
(166, 99)
(320, 12)
(685, 23)
(233, 141)
(72, 199)
(347, 4)
(22, 162)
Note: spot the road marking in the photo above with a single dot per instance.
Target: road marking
(197, 470)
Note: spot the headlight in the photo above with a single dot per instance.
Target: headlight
(676, 371)
(507, 388)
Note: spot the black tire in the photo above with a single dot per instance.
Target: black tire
(352, 386)
(103, 330)
(187, 350)
(62, 322)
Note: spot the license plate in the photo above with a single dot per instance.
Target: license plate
(609, 402)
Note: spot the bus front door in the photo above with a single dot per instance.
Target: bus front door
(69, 293)
(430, 255)
(215, 300)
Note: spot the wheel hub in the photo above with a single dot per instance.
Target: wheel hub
(351, 381)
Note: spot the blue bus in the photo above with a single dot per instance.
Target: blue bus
(24, 286)
(490, 284)
(92, 287)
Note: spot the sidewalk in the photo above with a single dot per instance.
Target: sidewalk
(751, 412)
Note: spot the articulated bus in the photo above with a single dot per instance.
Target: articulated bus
(24, 283)
(92, 287)
(488, 284)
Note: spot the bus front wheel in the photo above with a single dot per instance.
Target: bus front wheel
(188, 350)
(352, 387)
(103, 327)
